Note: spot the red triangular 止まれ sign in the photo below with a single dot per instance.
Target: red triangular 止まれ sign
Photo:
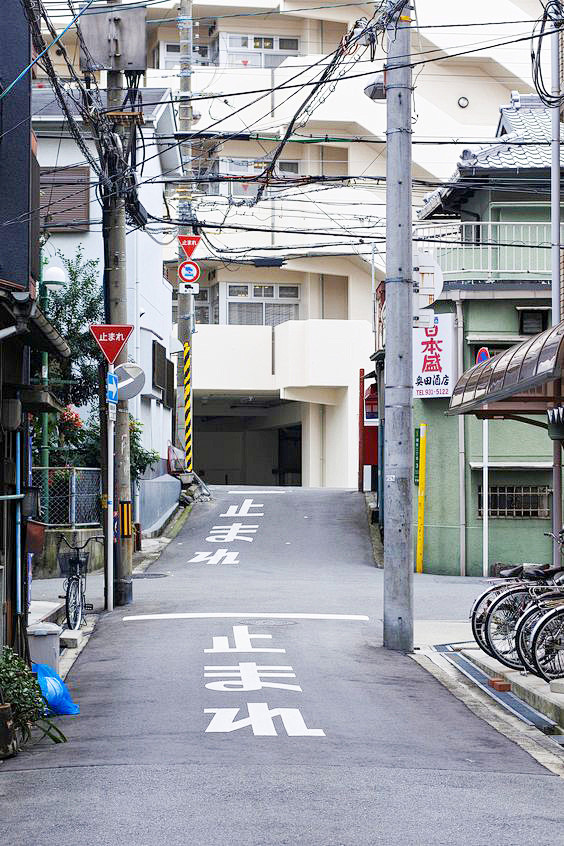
(111, 338)
(189, 243)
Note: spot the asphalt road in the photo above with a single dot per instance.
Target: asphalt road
(350, 745)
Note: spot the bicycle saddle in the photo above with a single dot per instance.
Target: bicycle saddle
(512, 572)
(541, 573)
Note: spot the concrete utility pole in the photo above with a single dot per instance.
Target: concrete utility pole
(117, 297)
(555, 255)
(398, 461)
(185, 301)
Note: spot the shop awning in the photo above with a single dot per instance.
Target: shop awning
(20, 312)
(524, 379)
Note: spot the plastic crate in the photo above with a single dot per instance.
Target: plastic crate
(66, 559)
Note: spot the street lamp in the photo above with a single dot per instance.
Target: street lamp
(51, 279)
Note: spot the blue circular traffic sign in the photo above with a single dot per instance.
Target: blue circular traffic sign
(189, 271)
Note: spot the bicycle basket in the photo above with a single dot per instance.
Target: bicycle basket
(67, 559)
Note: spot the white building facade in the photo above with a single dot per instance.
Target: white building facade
(285, 311)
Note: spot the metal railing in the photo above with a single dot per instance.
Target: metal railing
(69, 496)
(487, 251)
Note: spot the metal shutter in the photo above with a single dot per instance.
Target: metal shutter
(65, 198)
(276, 313)
(245, 314)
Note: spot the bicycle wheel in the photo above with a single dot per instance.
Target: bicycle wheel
(500, 624)
(526, 626)
(479, 611)
(73, 604)
(548, 645)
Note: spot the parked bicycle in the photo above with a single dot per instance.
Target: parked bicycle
(497, 612)
(74, 565)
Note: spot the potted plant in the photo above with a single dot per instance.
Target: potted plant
(22, 706)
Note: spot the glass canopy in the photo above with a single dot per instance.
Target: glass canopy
(528, 365)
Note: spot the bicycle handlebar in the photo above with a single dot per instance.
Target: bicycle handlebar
(63, 539)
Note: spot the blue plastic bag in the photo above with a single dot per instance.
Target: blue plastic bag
(55, 691)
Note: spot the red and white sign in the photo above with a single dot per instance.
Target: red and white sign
(189, 243)
(189, 271)
(111, 338)
(434, 358)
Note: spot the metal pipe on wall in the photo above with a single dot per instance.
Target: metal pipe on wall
(461, 446)
(555, 275)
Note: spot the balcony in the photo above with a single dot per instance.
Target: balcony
(488, 251)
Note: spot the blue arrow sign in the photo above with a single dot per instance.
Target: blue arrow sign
(112, 388)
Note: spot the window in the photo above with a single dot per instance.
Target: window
(275, 313)
(290, 44)
(238, 290)
(288, 292)
(288, 168)
(262, 309)
(532, 321)
(517, 501)
(263, 291)
(245, 314)
(202, 313)
(65, 198)
(201, 306)
(214, 299)
(259, 51)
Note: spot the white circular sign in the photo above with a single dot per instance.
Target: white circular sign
(130, 379)
(189, 271)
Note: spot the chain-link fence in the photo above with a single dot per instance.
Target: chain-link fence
(69, 496)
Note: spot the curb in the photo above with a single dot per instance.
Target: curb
(532, 690)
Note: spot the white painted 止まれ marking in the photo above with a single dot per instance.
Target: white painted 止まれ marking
(236, 531)
(249, 676)
(244, 510)
(261, 721)
(242, 640)
(220, 556)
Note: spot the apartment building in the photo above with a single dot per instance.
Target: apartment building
(284, 314)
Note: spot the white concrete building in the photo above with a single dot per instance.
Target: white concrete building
(285, 309)
(71, 216)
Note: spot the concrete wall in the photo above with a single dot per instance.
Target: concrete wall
(158, 498)
(45, 566)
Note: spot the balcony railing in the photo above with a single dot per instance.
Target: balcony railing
(488, 251)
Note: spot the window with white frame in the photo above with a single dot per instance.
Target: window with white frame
(257, 51)
(262, 305)
(284, 168)
(166, 55)
(202, 305)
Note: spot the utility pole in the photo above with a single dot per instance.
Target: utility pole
(398, 461)
(184, 411)
(555, 256)
(115, 279)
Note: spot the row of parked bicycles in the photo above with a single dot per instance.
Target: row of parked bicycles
(519, 619)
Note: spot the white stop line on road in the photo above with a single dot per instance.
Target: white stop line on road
(263, 615)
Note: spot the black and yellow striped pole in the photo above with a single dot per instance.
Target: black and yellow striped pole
(188, 405)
